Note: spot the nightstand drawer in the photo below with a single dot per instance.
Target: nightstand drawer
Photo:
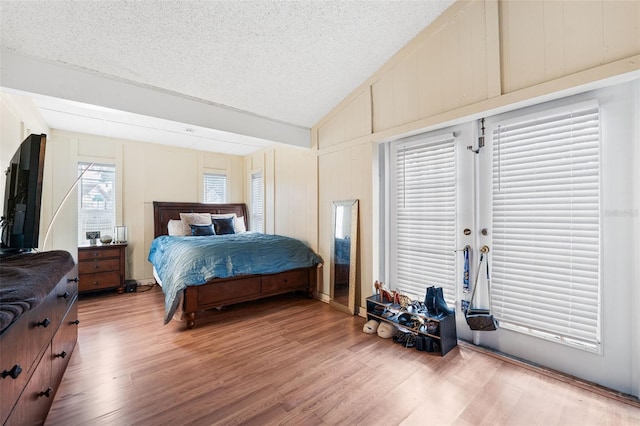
(102, 253)
(105, 265)
(99, 281)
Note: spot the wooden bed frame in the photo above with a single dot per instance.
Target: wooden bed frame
(227, 291)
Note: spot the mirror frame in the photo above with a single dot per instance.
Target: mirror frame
(353, 260)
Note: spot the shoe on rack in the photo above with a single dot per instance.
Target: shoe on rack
(371, 327)
(410, 340)
(439, 304)
(386, 330)
(436, 306)
(400, 337)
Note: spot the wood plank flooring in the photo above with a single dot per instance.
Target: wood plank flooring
(291, 360)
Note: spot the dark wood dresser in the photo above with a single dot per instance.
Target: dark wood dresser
(101, 267)
(36, 347)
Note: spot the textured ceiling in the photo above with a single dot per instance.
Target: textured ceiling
(289, 61)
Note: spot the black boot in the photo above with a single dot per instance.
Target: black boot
(439, 304)
(430, 302)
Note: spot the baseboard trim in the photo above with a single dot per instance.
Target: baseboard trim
(558, 375)
(322, 297)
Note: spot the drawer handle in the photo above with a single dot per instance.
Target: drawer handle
(46, 393)
(76, 322)
(44, 323)
(96, 254)
(65, 295)
(13, 373)
(61, 355)
(97, 266)
(75, 280)
(96, 283)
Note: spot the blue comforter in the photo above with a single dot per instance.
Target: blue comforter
(186, 261)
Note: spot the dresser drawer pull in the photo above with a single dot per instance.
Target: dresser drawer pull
(65, 295)
(97, 266)
(76, 322)
(46, 393)
(96, 254)
(96, 283)
(44, 323)
(13, 373)
(61, 355)
(75, 280)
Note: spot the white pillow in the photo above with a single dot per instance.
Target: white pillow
(175, 228)
(239, 226)
(193, 219)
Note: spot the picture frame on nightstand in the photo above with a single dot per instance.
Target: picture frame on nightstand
(92, 236)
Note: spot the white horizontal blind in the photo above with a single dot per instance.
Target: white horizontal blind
(425, 204)
(546, 225)
(96, 199)
(257, 205)
(215, 188)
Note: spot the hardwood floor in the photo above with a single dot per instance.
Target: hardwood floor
(291, 360)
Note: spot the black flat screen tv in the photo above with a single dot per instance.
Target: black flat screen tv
(22, 196)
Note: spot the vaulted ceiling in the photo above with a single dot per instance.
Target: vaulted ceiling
(240, 74)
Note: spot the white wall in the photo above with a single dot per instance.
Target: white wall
(291, 191)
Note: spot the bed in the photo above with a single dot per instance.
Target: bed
(196, 299)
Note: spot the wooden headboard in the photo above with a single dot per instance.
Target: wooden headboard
(163, 211)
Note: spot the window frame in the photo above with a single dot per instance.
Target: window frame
(417, 290)
(542, 113)
(214, 175)
(256, 180)
(84, 167)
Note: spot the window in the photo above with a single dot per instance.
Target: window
(215, 188)
(546, 225)
(96, 199)
(423, 192)
(257, 202)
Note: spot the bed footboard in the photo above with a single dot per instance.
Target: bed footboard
(223, 292)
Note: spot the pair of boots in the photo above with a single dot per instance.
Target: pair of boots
(434, 301)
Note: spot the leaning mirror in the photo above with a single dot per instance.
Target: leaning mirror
(344, 244)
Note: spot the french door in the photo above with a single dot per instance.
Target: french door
(539, 195)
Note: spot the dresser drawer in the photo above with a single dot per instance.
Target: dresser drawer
(93, 266)
(298, 278)
(63, 343)
(34, 403)
(101, 253)
(99, 281)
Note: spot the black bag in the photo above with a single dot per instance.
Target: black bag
(480, 319)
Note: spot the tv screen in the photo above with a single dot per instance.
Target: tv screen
(22, 196)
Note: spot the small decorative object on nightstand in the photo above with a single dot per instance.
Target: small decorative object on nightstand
(92, 236)
(101, 267)
(120, 234)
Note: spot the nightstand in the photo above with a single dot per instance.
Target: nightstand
(101, 267)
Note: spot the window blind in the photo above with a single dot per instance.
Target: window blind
(215, 188)
(257, 205)
(96, 199)
(545, 250)
(425, 206)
